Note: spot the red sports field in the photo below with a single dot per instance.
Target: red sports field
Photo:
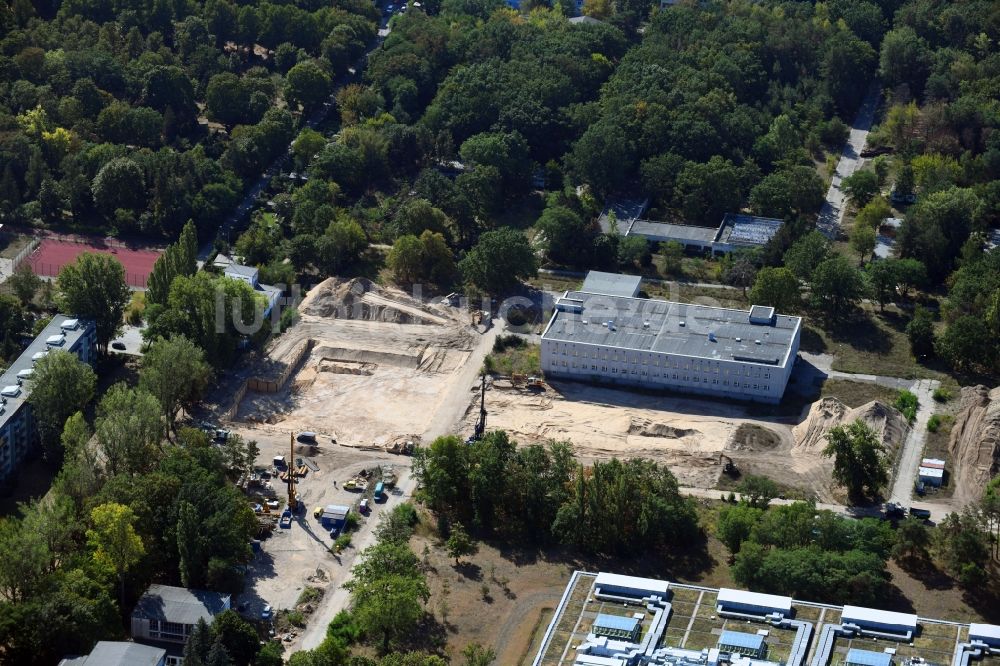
(52, 254)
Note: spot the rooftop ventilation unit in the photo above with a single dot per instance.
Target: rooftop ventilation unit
(739, 339)
(25, 374)
(38, 356)
(645, 324)
(56, 340)
(70, 325)
(10, 391)
(682, 323)
(711, 336)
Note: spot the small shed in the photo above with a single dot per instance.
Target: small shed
(748, 645)
(932, 472)
(857, 657)
(617, 627)
(334, 515)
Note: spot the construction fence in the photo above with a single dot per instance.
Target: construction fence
(261, 385)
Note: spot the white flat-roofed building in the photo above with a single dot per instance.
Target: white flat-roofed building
(18, 432)
(879, 620)
(630, 586)
(747, 355)
(985, 633)
(611, 284)
(743, 601)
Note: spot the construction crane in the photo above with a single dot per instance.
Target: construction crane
(293, 502)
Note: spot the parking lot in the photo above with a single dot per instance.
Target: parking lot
(291, 559)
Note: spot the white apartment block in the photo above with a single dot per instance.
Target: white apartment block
(603, 338)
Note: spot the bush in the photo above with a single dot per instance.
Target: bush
(309, 594)
(341, 542)
(505, 342)
(933, 423)
(296, 618)
(942, 395)
(908, 404)
(136, 308)
(351, 522)
(288, 317)
(343, 628)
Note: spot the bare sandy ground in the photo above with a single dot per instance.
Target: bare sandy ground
(687, 435)
(381, 365)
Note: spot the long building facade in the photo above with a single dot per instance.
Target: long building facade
(18, 432)
(740, 354)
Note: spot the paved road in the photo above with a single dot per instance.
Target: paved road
(832, 213)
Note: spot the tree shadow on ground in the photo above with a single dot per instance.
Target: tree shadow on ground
(986, 602)
(469, 570)
(430, 635)
(892, 598)
(811, 341)
(861, 332)
(929, 575)
(689, 562)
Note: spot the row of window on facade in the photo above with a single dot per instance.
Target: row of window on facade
(739, 371)
(686, 378)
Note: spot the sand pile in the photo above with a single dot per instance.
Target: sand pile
(362, 299)
(974, 446)
(810, 435)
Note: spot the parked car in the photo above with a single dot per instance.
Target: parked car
(119, 345)
(363, 506)
(267, 613)
(306, 437)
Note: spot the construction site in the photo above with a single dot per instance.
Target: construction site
(366, 366)
(694, 439)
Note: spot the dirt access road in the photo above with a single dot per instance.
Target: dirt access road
(450, 411)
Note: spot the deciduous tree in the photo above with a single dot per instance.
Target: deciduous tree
(93, 287)
(61, 386)
(859, 459)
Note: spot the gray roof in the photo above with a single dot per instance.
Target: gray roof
(587, 20)
(678, 232)
(25, 361)
(240, 269)
(697, 331)
(747, 230)
(179, 604)
(611, 284)
(626, 211)
(119, 653)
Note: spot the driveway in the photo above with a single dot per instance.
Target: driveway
(832, 214)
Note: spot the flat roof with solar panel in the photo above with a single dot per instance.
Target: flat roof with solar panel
(747, 230)
(693, 625)
(856, 657)
(737, 641)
